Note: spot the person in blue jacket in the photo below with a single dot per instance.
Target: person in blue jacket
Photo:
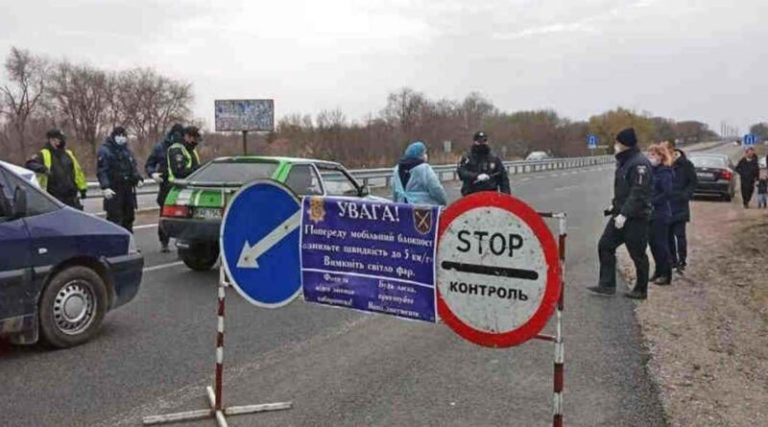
(661, 196)
(118, 178)
(414, 181)
(157, 169)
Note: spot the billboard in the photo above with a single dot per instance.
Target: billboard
(235, 115)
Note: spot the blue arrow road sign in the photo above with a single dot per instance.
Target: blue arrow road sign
(750, 139)
(592, 141)
(259, 241)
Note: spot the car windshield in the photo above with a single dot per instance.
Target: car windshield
(234, 172)
(708, 162)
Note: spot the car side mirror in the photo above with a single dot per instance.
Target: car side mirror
(365, 191)
(19, 203)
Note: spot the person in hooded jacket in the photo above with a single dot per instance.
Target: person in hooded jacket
(157, 169)
(748, 169)
(682, 192)
(414, 181)
(481, 170)
(58, 171)
(661, 195)
(118, 178)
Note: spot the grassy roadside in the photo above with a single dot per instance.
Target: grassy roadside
(708, 333)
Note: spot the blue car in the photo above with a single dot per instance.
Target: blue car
(61, 270)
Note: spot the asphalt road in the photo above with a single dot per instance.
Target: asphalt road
(339, 367)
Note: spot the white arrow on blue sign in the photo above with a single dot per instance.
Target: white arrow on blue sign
(259, 241)
(750, 139)
(592, 141)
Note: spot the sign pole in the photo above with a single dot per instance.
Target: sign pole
(245, 143)
(559, 374)
(215, 393)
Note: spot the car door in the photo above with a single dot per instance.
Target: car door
(16, 299)
(338, 182)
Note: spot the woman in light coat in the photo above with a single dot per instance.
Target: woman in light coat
(414, 181)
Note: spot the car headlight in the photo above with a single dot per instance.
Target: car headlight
(132, 249)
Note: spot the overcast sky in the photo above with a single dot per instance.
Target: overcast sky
(685, 59)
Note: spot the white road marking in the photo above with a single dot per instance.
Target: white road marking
(141, 227)
(162, 266)
(567, 187)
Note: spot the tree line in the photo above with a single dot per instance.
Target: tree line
(86, 102)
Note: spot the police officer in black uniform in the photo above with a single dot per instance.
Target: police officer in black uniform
(630, 214)
(157, 169)
(182, 156)
(481, 170)
(118, 178)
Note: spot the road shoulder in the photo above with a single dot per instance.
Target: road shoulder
(708, 332)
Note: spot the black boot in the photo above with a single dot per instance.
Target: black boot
(602, 290)
(637, 294)
(663, 280)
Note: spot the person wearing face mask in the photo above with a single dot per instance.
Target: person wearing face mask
(661, 196)
(630, 213)
(118, 178)
(182, 156)
(748, 169)
(481, 170)
(414, 181)
(58, 171)
(156, 167)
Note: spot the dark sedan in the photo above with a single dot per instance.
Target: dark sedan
(716, 175)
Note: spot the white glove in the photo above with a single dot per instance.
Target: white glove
(108, 193)
(483, 177)
(140, 183)
(619, 221)
(157, 177)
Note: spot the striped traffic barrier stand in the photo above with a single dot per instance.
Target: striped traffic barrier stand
(215, 393)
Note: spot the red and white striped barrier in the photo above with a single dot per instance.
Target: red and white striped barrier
(215, 394)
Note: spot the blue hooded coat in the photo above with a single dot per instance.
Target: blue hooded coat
(414, 181)
(663, 180)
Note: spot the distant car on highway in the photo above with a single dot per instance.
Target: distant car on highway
(715, 173)
(61, 269)
(194, 207)
(537, 155)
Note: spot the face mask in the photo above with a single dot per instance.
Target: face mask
(654, 161)
(121, 139)
(426, 158)
(617, 148)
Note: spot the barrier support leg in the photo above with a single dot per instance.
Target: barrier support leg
(559, 374)
(215, 393)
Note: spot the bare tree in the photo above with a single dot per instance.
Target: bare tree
(23, 95)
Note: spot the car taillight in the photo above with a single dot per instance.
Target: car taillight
(726, 175)
(175, 211)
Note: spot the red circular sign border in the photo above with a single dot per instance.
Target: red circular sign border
(551, 255)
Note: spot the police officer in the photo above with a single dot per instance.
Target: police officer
(58, 170)
(157, 168)
(182, 156)
(630, 214)
(481, 170)
(118, 178)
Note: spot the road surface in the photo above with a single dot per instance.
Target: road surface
(339, 367)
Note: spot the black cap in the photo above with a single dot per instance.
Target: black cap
(56, 133)
(192, 131)
(627, 137)
(176, 128)
(119, 130)
(480, 137)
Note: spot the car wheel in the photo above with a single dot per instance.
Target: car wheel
(200, 256)
(72, 307)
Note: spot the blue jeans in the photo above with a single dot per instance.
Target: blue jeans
(762, 200)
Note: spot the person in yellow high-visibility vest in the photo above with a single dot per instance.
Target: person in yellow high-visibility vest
(182, 156)
(58, 171)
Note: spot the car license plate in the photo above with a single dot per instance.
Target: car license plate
(705, 175)
(208, 213)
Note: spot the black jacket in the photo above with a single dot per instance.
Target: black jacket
(632, 185)
(61, 176)
(404, 169)
(116, 166)
(683, 187)
(748, 170)
(178, 162)
(480, 160)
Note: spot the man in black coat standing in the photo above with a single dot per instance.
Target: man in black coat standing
(682, 192)
(748, 169)
(481, 170)
(630, 213)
